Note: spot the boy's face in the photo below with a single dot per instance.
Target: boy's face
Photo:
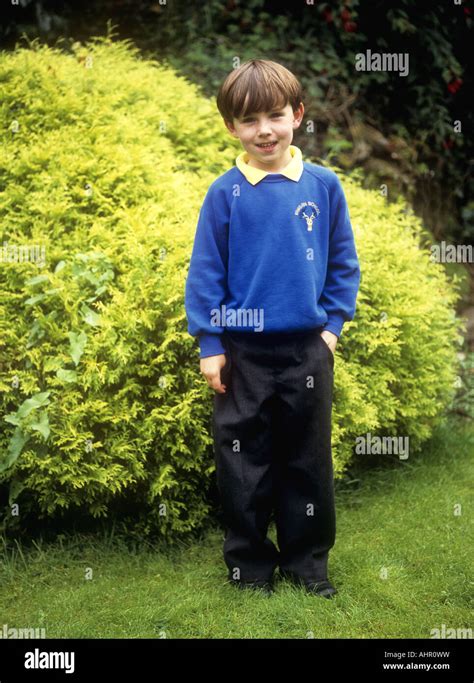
(274, 126)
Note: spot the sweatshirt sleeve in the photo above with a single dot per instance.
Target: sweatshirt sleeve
(206, 283)
(343, 272)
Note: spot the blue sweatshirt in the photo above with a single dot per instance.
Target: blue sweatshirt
(273, 252)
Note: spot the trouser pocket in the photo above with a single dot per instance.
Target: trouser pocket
(226, 371)
(328, 350)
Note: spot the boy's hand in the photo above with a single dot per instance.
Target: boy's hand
(330, 339)
(211, 369)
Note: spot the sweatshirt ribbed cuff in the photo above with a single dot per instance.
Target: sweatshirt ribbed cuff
(210, 345)
(334, 325)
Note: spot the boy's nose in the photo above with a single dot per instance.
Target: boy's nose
(264, 129)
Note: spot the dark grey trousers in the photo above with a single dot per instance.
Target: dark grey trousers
(272, 447)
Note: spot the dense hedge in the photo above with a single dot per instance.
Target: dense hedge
(106, 161)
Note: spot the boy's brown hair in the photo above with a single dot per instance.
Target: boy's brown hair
(258, 85)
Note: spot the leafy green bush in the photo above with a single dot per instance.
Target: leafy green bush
(100, 174)
(397, 363)
(106, 161)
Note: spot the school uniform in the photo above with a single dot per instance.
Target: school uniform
(273, 264)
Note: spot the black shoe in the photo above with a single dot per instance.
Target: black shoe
(264, 587)
(324, 588)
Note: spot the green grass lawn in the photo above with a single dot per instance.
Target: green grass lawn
(401, 565)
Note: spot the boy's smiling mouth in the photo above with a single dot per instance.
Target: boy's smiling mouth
(267, 146)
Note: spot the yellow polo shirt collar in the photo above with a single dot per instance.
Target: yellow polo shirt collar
(292, 171)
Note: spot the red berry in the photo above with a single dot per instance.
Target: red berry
(350, 26)
(454, 86)
(345, 14)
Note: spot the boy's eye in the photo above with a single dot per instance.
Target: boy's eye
(247, 120)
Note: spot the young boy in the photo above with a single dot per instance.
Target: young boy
(273, 276)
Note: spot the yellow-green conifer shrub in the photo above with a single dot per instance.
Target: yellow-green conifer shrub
(106, 160)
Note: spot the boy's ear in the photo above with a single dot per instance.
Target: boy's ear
(298, 115)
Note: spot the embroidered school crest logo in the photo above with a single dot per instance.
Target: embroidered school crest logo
(310, 212)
